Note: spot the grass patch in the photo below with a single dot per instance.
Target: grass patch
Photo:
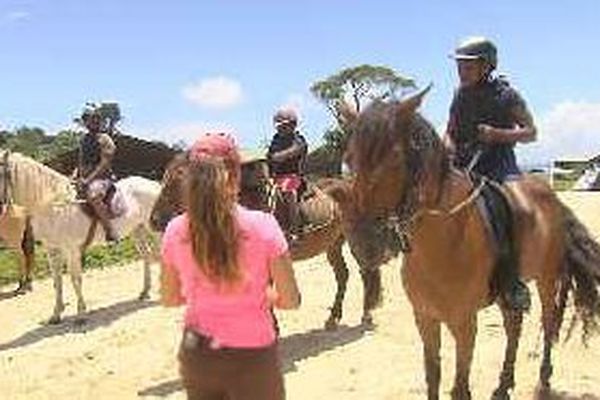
(96, 257)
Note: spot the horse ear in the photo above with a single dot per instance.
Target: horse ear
(346, 113)
(412, 103)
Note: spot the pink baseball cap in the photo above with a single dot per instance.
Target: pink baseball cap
(215, 144)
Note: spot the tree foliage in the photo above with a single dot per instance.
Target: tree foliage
(358, 85)
(35, 143)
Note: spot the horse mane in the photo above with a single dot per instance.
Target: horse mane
(386, 127)
(381, 128)
(35, 184)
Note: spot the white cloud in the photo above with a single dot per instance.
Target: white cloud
(218, 92)
(570, 129)
(17, 15)
(13, 17)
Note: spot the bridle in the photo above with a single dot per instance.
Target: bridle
(410, 206)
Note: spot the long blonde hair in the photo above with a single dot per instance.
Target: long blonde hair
(211, 197)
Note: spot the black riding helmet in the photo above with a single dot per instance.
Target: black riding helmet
(477, 48)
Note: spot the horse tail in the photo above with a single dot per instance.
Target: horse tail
(581, 277)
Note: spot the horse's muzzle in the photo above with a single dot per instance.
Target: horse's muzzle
(159, 222)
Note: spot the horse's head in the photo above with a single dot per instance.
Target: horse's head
(373, 241)
(254, 184)
(170, 200)
(384, 152)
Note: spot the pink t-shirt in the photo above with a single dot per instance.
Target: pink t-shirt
(237, 316)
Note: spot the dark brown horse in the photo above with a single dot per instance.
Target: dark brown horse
(402, 170)
(325, 236)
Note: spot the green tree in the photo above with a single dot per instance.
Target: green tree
(62, 143)
(35, 143)
(360, 85)
(28, 141)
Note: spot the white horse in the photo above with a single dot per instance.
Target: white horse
(62, 226)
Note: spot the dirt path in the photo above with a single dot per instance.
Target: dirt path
(126, 349)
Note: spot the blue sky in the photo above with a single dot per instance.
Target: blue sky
(178, 67)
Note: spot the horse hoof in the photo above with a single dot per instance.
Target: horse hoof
(460, 394)
(54, 320)
(20, 291)
(24, 287)
(331, 324)
(543, 392)
(367, 322)
(144, 296)
(500, 394)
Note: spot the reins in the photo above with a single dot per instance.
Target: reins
(458, 207)
(409, 209)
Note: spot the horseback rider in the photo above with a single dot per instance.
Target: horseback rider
(286, 156)
(94, 177)
(487, 119)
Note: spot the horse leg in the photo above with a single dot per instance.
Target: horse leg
(55, 264)
(371, 292)
(513, 321)
(430, 332)
(24, 284)
(547, 291)
(75, 270)
(464, 334)
(26, 259)
(336, 259)
(141, 240)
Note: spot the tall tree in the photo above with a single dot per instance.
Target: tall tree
(360, 85)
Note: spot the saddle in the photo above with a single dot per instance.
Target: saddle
(314, 209)
(497, 213)
(113, 199)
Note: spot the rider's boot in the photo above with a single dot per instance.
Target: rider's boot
(111, 234)
(513, 290)
(295, 228)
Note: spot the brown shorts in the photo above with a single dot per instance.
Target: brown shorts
(229, 373)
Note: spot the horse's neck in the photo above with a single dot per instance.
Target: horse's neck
(34, 185)
(435, 178)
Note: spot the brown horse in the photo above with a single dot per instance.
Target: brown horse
(326, 235)
(402, 170)
(15, 229)
(16, 233)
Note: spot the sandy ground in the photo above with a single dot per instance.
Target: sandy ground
(126, 349)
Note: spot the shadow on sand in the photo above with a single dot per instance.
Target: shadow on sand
(294, 348)
(553, 395)
(9, 295)
(73, 324)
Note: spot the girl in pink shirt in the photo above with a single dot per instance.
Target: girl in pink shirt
(230, 266)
